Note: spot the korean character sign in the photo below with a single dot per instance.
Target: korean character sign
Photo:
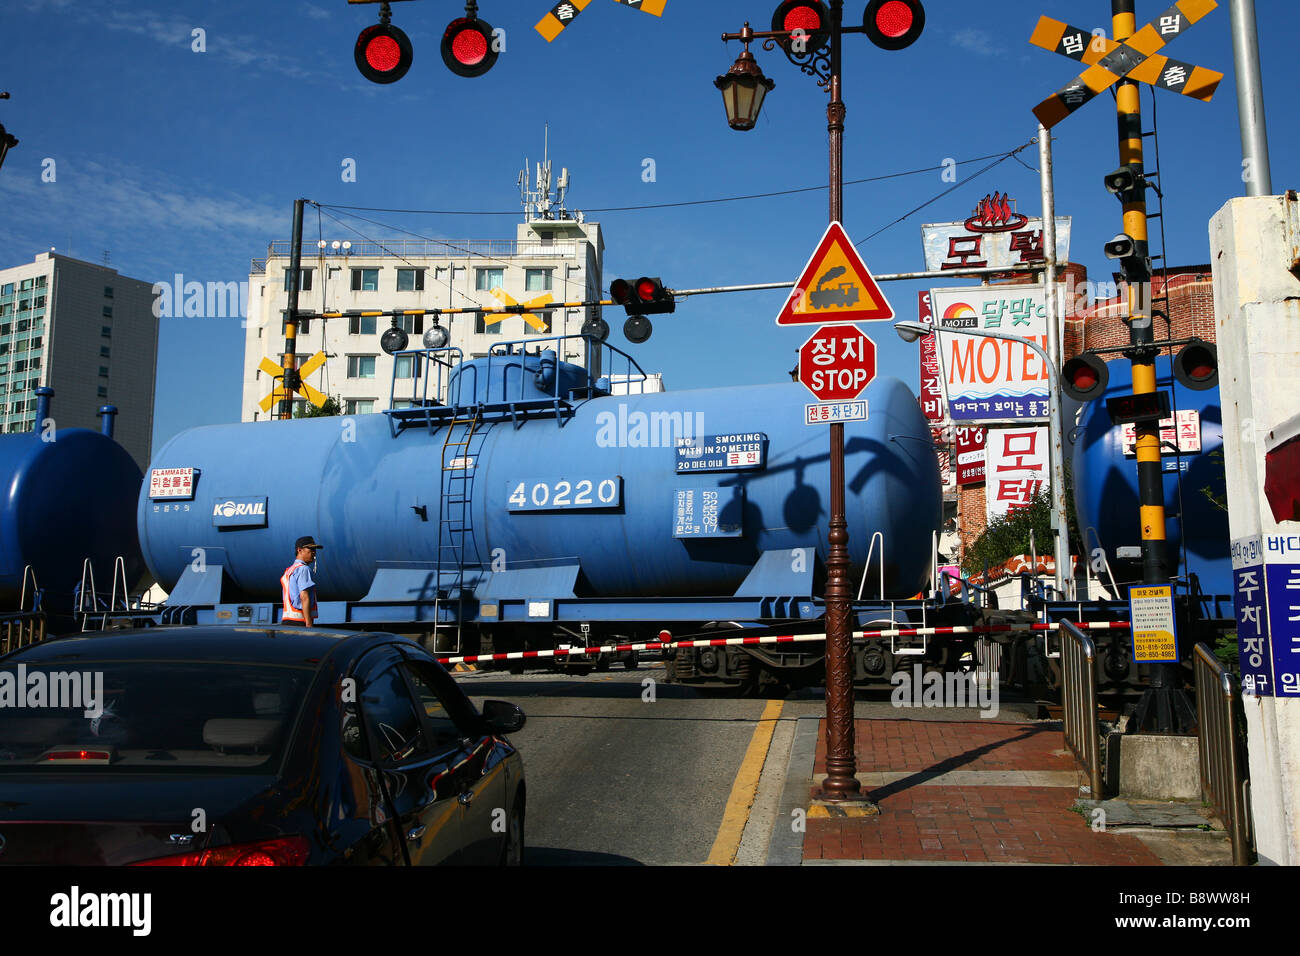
(1283, 586)
(989, 379)
(1016, 468)
(933, 404)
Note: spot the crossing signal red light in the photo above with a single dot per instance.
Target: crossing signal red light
(1196, 366)
(1084, 378)
(643, 296)
(894, 24)
(810, 16)
(383, 53)
(468, 47)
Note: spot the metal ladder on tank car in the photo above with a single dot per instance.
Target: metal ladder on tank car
(455, 513)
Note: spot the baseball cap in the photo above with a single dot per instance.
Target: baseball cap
(306, 541)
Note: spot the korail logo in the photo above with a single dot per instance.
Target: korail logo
(239, 511)
(229, 509)
(638, 429)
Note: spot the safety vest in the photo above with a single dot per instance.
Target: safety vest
(291, 613)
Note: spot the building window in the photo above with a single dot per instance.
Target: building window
(108, 292)
(482, 327)
(39, 303)
(36, 363)
(485, 280)
(20, 365)
(537, 280)
(304, 282)
(106, 331)
(24, 305)
(406, 366)
(411, 324)
(24, 325)
(8, 289)
(40, 282)
(103, 371)
(108, 311)
(25, 284)
(102, 391)
(359, 406)
(103, 351)
(36, 341)
(361, 366)
(361, 325)
(6, 328)
(365, 280)
(410, 280)
(4, 368)
(19, 408)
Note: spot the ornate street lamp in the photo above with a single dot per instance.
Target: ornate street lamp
(743, 87)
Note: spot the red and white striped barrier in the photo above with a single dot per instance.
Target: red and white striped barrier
(774, 639)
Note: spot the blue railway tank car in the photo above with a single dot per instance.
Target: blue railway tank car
(533, 484)
(68, 495)
(1106, 495)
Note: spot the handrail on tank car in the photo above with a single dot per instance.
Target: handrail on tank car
(447, 358)
(870, 551)
(1114, 591)
(556, 343)
(22, 596)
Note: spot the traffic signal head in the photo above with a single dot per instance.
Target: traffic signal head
(468, 47)
(643, 296)
(394, 339)
(436, 336)
(811, 17)
(383, 53)
(1196, 366)
(894, 24)
(1084, 377)
(598, 329)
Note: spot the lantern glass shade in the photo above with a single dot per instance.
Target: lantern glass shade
(743, 90)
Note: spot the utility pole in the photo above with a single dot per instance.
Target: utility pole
(290, 358)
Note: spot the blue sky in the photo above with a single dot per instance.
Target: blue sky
(181, 161)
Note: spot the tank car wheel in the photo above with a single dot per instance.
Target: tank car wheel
(632, 661)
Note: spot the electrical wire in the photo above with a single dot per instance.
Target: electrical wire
(677, 205)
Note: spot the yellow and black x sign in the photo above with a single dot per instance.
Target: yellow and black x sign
(562, 14)
(1137, 58)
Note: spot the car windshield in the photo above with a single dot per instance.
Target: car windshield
(149, 715)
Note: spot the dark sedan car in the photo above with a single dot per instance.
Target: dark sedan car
(216, 746)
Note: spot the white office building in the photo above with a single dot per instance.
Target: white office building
(90, 334)
(553, 257)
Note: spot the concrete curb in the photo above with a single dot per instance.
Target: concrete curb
(785, 848)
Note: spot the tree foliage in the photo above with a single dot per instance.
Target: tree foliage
(331, 407)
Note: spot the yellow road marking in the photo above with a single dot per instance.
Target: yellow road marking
(727, 842)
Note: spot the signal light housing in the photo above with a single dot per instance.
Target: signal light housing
(893, 24)
(383, 53)
(643, 296)
(598, 329)
(1084, 378)
(637, 329)
(394, 340)
(811, 16)
(1196, 366)
(468, 47)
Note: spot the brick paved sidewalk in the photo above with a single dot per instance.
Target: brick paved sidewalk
(967, 792)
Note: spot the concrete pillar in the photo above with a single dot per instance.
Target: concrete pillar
(1254, 244)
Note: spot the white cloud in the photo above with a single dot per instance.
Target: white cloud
(976, 41)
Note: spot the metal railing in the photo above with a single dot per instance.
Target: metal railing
(1223, 765)
(1079, 702)
(20, 629)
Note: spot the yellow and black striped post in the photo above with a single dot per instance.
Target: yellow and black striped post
(290, 358)
(1162, 706)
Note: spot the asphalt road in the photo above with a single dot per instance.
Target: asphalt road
(617, 780)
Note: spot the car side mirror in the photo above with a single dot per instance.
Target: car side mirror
(502, 717)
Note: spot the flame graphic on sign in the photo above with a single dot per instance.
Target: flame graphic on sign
(993, 213)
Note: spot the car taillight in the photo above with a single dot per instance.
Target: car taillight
(285, 851)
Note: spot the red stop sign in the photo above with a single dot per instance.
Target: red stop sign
(837, 363)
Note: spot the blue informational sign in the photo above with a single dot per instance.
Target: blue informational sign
(239, 512)
(1253, 652)
(563, 494)
(707, 511)
(1283, 581)
(734, 452)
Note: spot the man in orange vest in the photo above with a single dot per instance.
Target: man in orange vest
(297, 587)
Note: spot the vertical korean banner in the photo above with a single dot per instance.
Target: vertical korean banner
(970, 455)
(932, 403)
(1250, 603)
(1016, 468)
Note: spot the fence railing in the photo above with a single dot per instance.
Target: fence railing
(1079, 702)
(1223, 764)
(20, 629)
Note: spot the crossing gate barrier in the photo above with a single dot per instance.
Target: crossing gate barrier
(1224, 780)
(1079, 702)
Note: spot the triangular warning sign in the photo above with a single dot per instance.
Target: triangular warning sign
(835, 288)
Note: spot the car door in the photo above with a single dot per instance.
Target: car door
(480, 774)
(415, 771)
